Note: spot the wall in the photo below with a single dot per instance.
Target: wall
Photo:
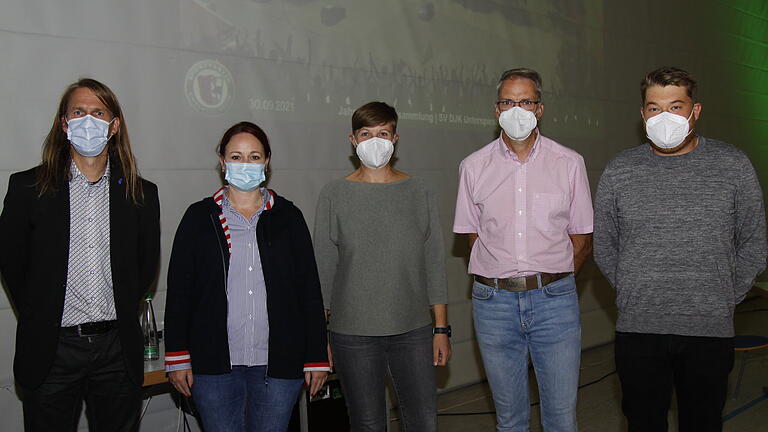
(185, 70)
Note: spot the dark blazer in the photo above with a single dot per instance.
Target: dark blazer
(196, 302)
(34, 254)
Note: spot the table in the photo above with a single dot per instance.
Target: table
(155, 381)
(154, 371)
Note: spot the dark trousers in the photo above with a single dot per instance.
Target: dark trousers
(362, 364)
(87, 369)
(651, 365)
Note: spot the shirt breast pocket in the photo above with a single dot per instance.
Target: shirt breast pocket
(550, 211)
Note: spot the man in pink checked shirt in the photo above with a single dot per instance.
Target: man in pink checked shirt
(524, 200)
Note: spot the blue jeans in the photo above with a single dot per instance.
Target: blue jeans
(362, 364)
(545, 323)
(245, 400)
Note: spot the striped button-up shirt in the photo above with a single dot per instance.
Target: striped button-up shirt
(89, 296)
(247, 325)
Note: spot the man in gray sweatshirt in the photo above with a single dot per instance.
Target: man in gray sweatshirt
(680, 234)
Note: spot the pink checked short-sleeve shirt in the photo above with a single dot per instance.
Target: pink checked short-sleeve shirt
(523, 212)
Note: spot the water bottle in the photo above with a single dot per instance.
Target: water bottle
(149, 328)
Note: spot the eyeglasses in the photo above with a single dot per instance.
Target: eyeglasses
(506, 104)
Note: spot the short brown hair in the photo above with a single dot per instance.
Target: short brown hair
(521, 73)
(244, 127)
(374, 114)
(668, 76)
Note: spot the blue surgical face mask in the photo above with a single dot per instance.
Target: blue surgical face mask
(245, 176)
(88, 135)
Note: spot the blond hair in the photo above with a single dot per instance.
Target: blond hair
(56, 158)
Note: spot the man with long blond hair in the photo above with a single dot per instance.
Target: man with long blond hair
(81, 242)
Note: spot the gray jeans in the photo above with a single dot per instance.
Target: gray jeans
(362, 363)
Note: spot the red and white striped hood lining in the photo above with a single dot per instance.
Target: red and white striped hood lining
(219, 198)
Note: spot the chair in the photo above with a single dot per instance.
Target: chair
(746, 344)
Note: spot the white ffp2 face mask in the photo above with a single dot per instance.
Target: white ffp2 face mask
(375, 152)
(88, 134)
(667, 130)
(518, 123)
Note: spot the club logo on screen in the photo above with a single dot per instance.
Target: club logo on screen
(209, 86)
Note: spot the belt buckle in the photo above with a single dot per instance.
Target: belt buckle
(513, 284)
(83, 333)
(92, 328)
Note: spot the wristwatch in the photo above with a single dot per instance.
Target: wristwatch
(442, 330)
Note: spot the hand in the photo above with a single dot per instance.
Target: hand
(441, 349)
(314, 381)
(182, 381)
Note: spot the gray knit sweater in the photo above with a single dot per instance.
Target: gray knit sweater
(380, 256)
(680, 238)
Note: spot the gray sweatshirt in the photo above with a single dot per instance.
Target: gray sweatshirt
(680, 238)
(380, 256)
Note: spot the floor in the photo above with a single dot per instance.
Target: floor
(467, 409)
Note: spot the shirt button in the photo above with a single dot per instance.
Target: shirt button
(250, 316)
(250, 268)
(519, 189)
(519, 234)
(520, 256)
(520, 212)
(90, 245)
(250, 292)
(93, 271)
(249, 245)
(90, 219)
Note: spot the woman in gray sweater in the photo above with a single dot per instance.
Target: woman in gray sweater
(381, 261)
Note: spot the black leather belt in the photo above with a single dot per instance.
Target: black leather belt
(91, 328)
(523, 283)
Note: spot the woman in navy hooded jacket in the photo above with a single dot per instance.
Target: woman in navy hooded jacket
(244, 314)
